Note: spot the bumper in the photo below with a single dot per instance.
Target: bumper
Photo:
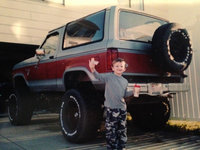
(155, 89)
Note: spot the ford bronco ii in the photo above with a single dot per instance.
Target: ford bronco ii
(157, 53)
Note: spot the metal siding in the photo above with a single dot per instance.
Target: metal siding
(185, 105)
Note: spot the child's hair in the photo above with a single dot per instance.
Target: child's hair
(119, 60)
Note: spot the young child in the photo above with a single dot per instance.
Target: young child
(115, 105)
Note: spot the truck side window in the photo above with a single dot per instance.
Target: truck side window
(51, 43)
(85, 30)
(138, 27)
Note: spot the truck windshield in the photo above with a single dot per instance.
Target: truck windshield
(137, 27)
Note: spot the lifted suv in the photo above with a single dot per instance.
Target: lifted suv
(157, 53)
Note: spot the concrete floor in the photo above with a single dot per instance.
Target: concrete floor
(44, 134)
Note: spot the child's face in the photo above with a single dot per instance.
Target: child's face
(119, 68)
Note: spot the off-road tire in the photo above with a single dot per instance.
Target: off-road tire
(152, 115)
(79, 120)
(172, 49)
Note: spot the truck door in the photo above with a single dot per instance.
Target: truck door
(45, 72)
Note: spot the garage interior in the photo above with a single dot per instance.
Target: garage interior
(10, 54)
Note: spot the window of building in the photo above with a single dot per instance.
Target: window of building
(57, 1)
(62, 2)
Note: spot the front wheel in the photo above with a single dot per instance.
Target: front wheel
(79, 120)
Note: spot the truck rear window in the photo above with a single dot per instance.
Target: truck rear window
(85, 30)
(137, 27)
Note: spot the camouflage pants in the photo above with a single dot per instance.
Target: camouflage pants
(116, 136)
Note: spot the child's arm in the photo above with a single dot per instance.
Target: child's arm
(92, 64)
(129, 93)
(135, 92)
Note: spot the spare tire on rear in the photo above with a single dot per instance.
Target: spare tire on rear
(172, 48)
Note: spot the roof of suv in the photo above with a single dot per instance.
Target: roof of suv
(120, 8)
(138, 12)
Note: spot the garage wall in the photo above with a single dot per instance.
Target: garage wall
(28, 21)
(185, 105)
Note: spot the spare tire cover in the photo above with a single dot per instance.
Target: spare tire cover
(172, 48)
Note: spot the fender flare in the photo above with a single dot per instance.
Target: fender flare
(80, 69)
(20, 75)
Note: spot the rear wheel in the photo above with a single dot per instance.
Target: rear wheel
(79, 120)
(152, 115)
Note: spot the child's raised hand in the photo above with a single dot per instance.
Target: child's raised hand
(92, 64)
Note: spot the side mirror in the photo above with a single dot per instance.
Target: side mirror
(40, 52)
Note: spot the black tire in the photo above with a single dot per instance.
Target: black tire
(20, 108)
(79, 120)
(172, 48)
(153, 115)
